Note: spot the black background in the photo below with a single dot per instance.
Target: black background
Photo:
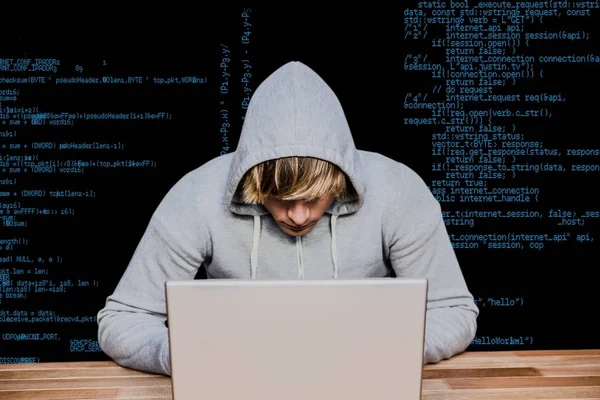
(359, 52)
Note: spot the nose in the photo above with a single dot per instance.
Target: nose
(298, 212)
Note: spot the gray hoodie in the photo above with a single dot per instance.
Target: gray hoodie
(393, 224)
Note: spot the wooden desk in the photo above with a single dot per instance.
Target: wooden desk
(509, 375)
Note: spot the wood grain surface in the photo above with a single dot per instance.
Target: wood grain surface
(506, 375)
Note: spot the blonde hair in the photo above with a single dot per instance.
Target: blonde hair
(295, 178)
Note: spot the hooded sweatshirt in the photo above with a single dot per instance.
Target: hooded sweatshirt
(393, 225)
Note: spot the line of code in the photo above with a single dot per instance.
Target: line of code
(75, 131)
(493, 95)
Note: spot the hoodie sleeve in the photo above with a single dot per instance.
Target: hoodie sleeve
(131, 326)
(419, 247)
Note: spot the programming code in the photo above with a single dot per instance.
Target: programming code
(498, 118)
(84, 135)
(505, 92)
(99, 122)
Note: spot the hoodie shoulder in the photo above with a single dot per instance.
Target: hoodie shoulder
(210, 177)
(199, 191)
(396, 183)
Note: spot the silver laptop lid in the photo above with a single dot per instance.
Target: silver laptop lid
(272, 339)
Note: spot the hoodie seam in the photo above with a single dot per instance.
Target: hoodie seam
(391, 226)
(295, 106)
(426, 234)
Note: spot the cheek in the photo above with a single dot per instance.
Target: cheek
(320, 215)
(323, 207)
(275, 211)
(278, 214)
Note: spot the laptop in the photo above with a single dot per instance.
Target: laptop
(356, 339)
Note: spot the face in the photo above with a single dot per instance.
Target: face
(297, 217)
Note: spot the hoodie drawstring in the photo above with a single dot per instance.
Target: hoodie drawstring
(299, 254)
(333, 246)
(299, 257)
(255, 238)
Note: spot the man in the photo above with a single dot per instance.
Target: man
(296, 200)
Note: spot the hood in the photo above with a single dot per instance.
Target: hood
(293, 112)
